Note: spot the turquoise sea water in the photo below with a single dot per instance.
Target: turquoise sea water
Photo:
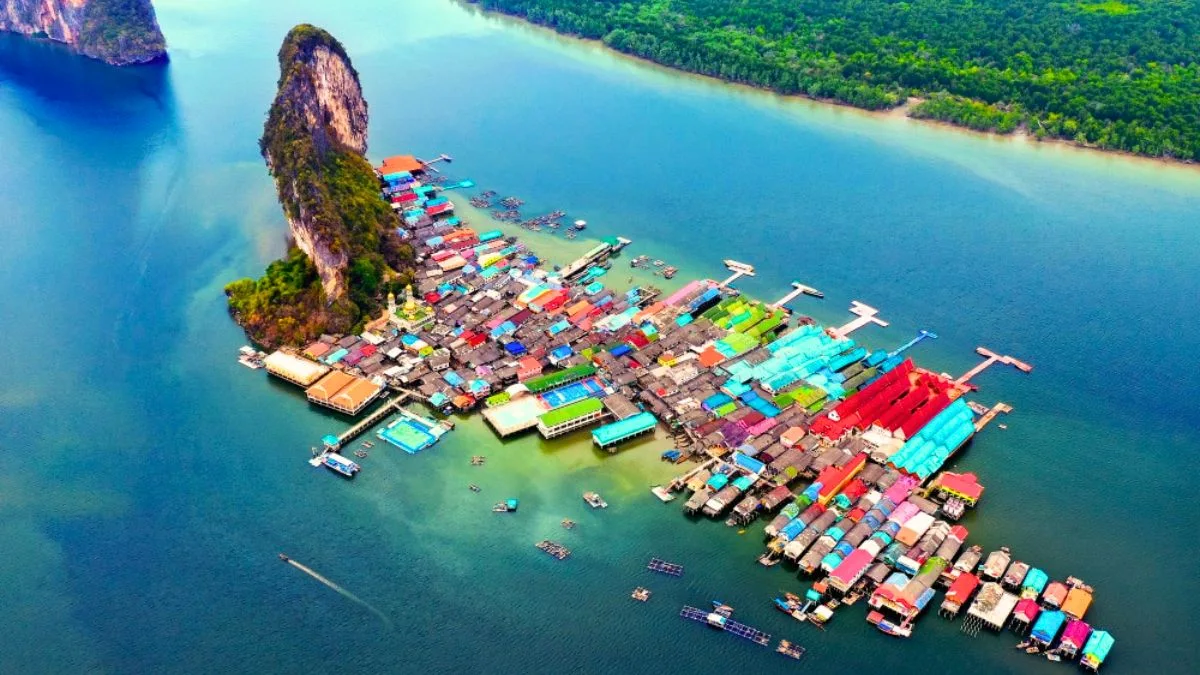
(147, 481)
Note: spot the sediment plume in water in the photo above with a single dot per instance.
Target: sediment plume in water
(341, 591)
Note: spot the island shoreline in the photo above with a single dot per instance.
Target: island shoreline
(1021, 136)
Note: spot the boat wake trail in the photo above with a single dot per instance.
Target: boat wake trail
(341, 591)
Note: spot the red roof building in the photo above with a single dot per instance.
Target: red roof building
(965, 486)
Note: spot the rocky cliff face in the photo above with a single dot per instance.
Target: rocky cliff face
(348, 253)
(319, 111)
(120, 32)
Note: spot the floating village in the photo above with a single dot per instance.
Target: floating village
(840, 451)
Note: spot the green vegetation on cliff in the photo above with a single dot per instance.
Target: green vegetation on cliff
(285, 305)
(121, 32)
(330, 191)
(1119, 75)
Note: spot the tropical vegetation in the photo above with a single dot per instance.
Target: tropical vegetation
(119, 31)
(1114, 74)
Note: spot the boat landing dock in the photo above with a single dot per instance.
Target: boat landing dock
(335, 443)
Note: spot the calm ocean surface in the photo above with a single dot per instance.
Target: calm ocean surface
(147, 481)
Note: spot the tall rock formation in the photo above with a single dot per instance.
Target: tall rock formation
(347, 250)
(318, 110)
(120, 32)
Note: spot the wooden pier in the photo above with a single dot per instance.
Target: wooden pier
(798, 289)
(664, 567)
(739, 269)
(369, 421)
(988, 414)
(866, 315)
(989, 358)
(430, 163)
(921, 336)
(679, 482)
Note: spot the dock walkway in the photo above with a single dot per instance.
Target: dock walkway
(369, 421)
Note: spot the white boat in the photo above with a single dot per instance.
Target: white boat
(594, 500)
(338, 464)
(662, 493)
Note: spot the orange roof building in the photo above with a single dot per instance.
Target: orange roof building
(401, 163)
(710, 357)
(528, 367)
(343, 392)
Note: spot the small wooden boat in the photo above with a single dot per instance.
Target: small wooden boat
(473, 487)
(506, 506)
(568, 523)
(768, 560)
(641, 594)
(722, 609)
(790, 650)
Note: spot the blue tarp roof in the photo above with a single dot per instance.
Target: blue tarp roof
(748, 463)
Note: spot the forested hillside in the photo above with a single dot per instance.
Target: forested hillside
(1116, 74)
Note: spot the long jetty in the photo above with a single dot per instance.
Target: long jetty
(369, 421)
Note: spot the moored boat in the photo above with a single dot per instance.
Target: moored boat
(554, 549)
(790, 649)
(662, 493)
(594, 500)
(340, 465)
(768, 559)
(895, 630)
